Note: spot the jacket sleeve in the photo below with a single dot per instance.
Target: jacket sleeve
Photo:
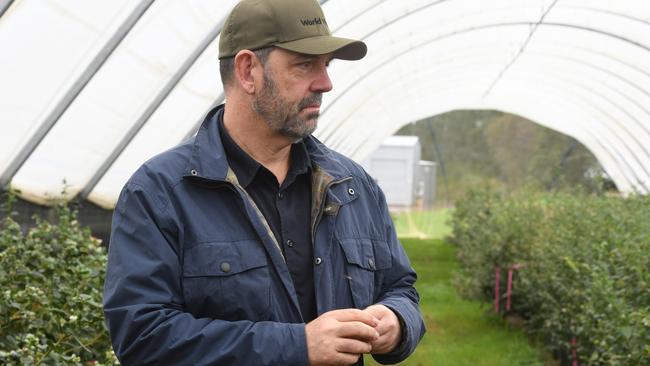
(399, 293)
(144, 308)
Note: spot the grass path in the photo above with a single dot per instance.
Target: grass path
(459, 332)
(423, 224)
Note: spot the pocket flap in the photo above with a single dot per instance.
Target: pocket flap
(369, 254)
(223, 258)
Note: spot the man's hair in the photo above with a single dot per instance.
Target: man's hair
(227, 65)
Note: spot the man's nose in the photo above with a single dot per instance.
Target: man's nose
(322, 83)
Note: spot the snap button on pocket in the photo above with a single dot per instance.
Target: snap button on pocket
(193, 172)
(351, 191)
(318, 261)
(225, 267)
(371, 263)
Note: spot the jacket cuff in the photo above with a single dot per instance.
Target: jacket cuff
(297, 354)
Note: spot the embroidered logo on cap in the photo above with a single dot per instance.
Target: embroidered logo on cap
(314, 21)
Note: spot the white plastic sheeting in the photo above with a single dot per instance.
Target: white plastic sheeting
(90, 90)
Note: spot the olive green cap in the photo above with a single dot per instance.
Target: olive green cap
(294, 25)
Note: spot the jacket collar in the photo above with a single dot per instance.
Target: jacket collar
(326, 159)
(208, 160)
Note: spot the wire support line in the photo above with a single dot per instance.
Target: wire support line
(153, 106)
(71, 95)
(4, 5)
(521, 50)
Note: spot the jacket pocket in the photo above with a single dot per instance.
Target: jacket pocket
(227, 280)
(366, 259)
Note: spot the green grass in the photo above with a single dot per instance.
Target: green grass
(423, 224)
(459, 332)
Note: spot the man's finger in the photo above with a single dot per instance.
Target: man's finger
(354, 346)
(349, 315)
(377, 310)
(346, 358)
(357, 330)
(382, 328)
(380, 342)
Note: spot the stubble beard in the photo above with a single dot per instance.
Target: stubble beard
(281, 115)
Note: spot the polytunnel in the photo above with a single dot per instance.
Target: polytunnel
(89, 90)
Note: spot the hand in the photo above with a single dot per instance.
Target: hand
(339, 337)
(389, 328)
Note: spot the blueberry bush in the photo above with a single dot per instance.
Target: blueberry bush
(585, 274)
(51, 282)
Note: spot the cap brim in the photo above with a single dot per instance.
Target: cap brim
(342, 48)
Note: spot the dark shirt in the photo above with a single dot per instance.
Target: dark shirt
(286, 208)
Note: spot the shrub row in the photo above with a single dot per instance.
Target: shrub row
(50, 294)
(586, 271)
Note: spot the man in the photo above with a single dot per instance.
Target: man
(254, 244)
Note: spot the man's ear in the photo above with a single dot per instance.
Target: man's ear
(246, 70)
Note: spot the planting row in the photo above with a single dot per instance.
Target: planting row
(575, 267)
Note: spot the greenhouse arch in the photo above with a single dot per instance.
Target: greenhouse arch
(97, 89)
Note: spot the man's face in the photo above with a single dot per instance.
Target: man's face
(290, 97)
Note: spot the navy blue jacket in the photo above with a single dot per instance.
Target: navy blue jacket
(196, 277)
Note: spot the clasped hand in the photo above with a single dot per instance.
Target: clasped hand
(339, 337)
